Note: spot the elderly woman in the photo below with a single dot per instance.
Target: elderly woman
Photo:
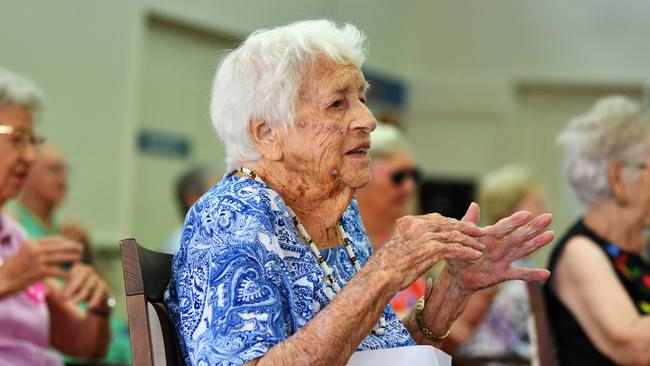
(275, 267)
(36, 312)
(43, 192)
(494, 324)
(599, 295)
(393, 183)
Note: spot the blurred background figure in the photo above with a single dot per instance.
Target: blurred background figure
(598, 295)
(43, 192)
(389, 196)
(36, 311)
(189, 187)
(494, 324)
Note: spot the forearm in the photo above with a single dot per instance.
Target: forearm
(335, 332)
(76, 332)
(444, 303)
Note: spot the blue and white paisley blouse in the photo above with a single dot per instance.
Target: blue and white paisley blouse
(243, 280)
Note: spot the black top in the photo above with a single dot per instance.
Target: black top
(573, 345)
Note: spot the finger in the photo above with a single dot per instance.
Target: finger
(531, 245)
(530, 230)
(473, 213)
(97, 297)
(509, 224)
(458, 238)
(85, 291)
(78, 277)
(459, 252)
(58, 272)
(438, 222)
(58, 243)
(525, 274)
(62, 258)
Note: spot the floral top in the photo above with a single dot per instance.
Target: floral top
(243, 280)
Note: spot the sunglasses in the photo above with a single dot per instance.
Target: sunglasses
(399, 176)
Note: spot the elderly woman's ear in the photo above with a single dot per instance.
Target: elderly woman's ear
(265, 139)
(617, 182)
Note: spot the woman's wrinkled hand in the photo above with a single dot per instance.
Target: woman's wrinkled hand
(504, 242)
(418, 242)
(36, 260)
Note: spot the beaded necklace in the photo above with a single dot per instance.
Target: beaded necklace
(380, 328)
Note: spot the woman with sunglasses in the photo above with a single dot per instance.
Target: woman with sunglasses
(389, 196)
(36, 311)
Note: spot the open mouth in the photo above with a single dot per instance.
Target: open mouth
(361, 150)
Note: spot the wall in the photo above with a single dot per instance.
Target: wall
(463, 61)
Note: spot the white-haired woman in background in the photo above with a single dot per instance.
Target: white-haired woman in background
(35, 310)
(274, 266)
(598, 296)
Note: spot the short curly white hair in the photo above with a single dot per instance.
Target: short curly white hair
(18, 90)
(615, 129)
(261, 78)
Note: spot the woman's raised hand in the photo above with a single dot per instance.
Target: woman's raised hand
(418, 242)
(504, 242)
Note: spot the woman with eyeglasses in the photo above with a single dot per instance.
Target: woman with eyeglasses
(37, 312)
(598, 296)
(389, 196)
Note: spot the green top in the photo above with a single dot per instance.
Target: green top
(34, 227)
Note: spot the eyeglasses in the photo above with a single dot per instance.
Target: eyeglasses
(399, 176)
(21, 138)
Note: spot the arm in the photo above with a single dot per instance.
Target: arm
(333, 335)
(445, 301)
(463, 329)
(72, 330)
(35, 261)
(586, 283)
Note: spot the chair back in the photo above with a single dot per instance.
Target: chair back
(542, 336)
(146, 276)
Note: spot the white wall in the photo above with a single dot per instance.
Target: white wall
(462, 60)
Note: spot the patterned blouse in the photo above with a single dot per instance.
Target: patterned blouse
(243, 280)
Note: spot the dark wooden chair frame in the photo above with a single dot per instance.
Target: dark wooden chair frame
(146, 276)
(545, 340)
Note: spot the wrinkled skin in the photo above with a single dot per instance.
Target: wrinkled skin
(331, 122)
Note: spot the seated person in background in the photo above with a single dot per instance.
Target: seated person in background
(494, 324)
(43, 192)
(36, 311)
(598, 296)
(190, 186)
(392, 187)
(35, 209)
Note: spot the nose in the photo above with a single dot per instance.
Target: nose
(363, 118)
(409, 186)
(29, 154)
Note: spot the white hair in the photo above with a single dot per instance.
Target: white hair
(262, 77)
(385, 140)
(18, 90)
(615, 129)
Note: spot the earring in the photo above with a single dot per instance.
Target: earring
(334, 173)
